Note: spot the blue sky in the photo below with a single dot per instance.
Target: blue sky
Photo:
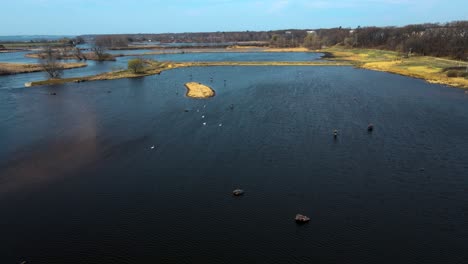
(57, 17)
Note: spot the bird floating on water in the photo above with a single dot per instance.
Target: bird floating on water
(301, 219)
(238, 192)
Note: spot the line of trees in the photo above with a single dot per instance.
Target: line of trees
(449, 39)
(440, 40)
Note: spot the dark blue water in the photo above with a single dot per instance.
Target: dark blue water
(239, 56)
(80, 183)
(93, 68)
(17, 57)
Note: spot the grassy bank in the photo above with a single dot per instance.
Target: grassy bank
(81, 56)
(16, 68)
(151, 68)
(431, 69)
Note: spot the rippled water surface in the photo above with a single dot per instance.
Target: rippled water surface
(80, 183)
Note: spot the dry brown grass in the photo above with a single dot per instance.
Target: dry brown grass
(16, 68)
(87, 55)
(198, 90)
(431, 69)
(298, 49)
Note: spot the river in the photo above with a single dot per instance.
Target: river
(125, 171)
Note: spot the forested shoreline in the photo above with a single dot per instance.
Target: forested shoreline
(431, 39)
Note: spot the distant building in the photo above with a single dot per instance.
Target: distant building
(288, 32)
(311, 32)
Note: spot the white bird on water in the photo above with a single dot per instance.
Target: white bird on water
(153, 147)
(204, 123)
(202, 116)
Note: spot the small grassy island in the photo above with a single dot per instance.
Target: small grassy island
(198, 90)
(7, 68)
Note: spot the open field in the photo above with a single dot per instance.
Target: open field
(431, 69)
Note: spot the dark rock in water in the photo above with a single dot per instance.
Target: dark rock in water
(53, 93)
(327, 55)
(301, 219)
(335, 133)
(109, 91)
(238, 192)
(186, 110)
(422, 169)
(370, 127)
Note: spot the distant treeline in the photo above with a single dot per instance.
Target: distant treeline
(449, 39)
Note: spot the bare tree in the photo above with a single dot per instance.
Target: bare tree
(50, 64)
(78, 54)
(100, 50)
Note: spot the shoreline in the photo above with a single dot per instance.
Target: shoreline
(427, 68)
(430, 69)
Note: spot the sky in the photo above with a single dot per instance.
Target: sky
(76, 17)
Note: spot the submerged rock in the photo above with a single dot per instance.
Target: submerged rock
(370, 127)
(238, 192)
(301, 218)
